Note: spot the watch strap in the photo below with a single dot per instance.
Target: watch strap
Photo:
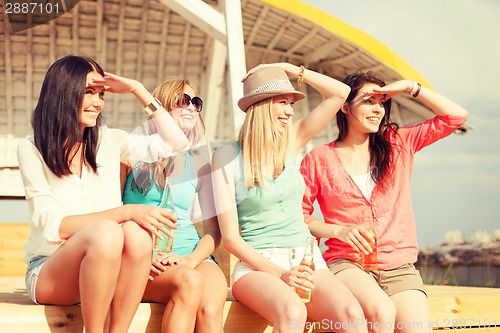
(152, 107)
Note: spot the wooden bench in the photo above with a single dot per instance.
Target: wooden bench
(468, 309)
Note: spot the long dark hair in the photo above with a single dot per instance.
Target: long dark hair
(56, 118)
(381, 150)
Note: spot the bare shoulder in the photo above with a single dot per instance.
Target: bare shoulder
(224, 155)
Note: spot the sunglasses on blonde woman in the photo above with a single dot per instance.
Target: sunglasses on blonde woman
(186, 100)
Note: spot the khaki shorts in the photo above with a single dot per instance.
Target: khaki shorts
(392, 281)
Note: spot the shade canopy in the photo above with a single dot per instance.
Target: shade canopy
(212, 43)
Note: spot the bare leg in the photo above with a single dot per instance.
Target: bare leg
(84, 269)
(134, 272)
(332, 300)
(412, 312)
(179, 287)
(273, 299)
(209, 316)
(379, 309)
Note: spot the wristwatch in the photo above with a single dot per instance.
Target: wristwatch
(152, 107)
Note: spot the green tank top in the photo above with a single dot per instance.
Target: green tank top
(272, 217)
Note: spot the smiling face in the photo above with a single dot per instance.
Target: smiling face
(93, 102)
(365, 112)
(188, 116)
(282, 110)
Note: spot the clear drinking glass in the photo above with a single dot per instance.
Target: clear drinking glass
(369, 261)
(167, 202)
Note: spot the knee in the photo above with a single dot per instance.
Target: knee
(188, 284)
(106, 239)
(137, 242)
(351, 312)
(210, 310)
(384, 311)
(293, 311)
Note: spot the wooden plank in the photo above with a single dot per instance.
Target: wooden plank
(257, 25)
(215, 90)
(470, 309)
(466, 306)
(163, 45)
(12, 240)
(202, 15)
(17, 312)
(28, 107)
(99, 31)
(236, 59)
(476, 311)
(74, 29)
(8, 76)
(119, 58)
(184, 49)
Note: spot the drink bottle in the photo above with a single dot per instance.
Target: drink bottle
(167, 202)
(307, 261)
(369, 261)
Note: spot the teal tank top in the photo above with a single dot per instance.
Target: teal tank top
(272, 217)
(186, 236)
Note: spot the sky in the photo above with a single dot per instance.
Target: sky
(454, 45)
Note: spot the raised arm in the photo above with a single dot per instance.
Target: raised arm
(439, 104)
(334, 95)
(165, 124)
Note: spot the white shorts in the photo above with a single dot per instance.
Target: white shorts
(286, 258)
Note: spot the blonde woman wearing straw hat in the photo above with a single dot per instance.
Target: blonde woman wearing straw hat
(258, 190)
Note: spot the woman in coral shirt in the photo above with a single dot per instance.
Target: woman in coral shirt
(362, 181)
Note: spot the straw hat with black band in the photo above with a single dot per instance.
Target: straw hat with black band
(266, 83)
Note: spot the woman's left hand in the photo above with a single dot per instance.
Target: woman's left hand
(170, 259)
(160, 263)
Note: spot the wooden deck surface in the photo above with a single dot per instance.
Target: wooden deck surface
(465, 308)
(468, 309)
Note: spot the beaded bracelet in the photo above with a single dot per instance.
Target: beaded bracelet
(300, 79)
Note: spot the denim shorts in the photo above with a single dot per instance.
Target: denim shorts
(32, 273)
(286, 258)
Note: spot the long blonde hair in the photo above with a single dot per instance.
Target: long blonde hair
(169, 94)
(260, 141)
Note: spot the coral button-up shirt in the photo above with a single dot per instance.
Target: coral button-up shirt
(389, 211)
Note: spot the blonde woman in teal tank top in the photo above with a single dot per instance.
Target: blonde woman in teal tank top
(258, 198)
(191, 284)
